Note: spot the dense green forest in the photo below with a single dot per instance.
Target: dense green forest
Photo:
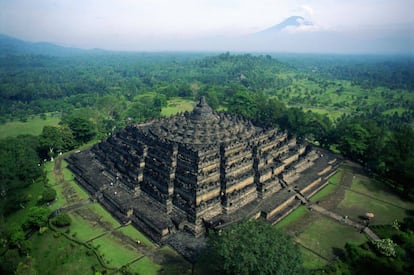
(359, 106)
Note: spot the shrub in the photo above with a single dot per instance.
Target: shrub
(48, 195)
(36, 218)
(385, 247)
(62, 220)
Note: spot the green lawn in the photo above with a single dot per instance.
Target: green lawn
(56, 255)
(355, 205)
(333, 114)
(33, 126)
(70, 178)
(115, 255)
(324, 192)
(135, 235)
(98, 221)
(114, 251)
(63, 187)
(177, 105)
(297, 214)
(146, 266)
(329, 189)
(53, 181)
(103, 214)
(335, 179)
(325, 235)
(60, 200)
(82, 229)
(368, 195)
(48, 166)
(379, 191)
(310, 260)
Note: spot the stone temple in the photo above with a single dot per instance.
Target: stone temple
(194, 171)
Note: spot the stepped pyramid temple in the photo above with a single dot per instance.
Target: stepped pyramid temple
(201, 170)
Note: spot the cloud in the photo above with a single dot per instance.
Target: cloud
(121, 24)
(308, 10)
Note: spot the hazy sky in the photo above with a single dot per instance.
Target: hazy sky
(133, 24)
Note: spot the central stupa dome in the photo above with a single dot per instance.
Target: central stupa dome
(202, 126)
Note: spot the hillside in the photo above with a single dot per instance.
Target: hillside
(13, 46)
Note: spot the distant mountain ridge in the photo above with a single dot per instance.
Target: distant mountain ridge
(295, 34)
(13, 46)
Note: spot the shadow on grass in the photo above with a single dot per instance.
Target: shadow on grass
(338, 252)
(409, 212)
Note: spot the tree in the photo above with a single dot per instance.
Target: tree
(353, 139)
(54, 140)
(243, 103)
(19, 167)
(270, 111)
(295, 121)
(252, 247)
(27, 266)
(82, 128)
(385, 247)
(399, 158)
(15, 235)
(145, 108)
(48, 195)
(62, 220)
(37, 217)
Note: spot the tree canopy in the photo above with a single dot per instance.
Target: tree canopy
(253, 247)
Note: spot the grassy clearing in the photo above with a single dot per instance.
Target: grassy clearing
(57, 255)
(135, 235)
(356, 205)
(63, 183)
(329, 189)
(379, 191)
(335, 179)
(333, 114)
(348, 193)
(82, 229)
(115, 255)
(146, 266)
(326, 191)
(103, 214)
(52, 180)
(367, 195)
(312, 261)
(177, 105)
(70, 179)
(324, 236)
(91, 220)
(82, 195)
(33, 126)
(60, 200)
(297, 214)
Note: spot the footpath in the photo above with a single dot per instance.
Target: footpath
(344, 220)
